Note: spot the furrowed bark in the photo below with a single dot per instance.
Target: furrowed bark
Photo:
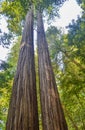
(52, 112)
(23, 113)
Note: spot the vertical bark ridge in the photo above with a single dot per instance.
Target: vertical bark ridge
(23, 111)
(52, 112)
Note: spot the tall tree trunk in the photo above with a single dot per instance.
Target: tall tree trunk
(23, 113)
(52, 113)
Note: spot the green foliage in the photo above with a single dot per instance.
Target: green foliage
(16, 10)
(15, 15)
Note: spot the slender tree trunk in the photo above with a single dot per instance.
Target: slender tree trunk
(23, 113)
(52, 113)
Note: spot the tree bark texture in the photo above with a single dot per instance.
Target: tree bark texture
(52, 112)
(23, 113)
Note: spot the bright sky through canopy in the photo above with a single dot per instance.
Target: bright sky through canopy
(70, 10)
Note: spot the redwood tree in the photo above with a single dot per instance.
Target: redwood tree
(52, 113)
(23, 113)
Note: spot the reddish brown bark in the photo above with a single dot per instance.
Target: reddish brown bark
(52, 113)
(23, 113)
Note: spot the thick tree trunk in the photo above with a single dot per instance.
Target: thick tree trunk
(23, 113)
(52, 113)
